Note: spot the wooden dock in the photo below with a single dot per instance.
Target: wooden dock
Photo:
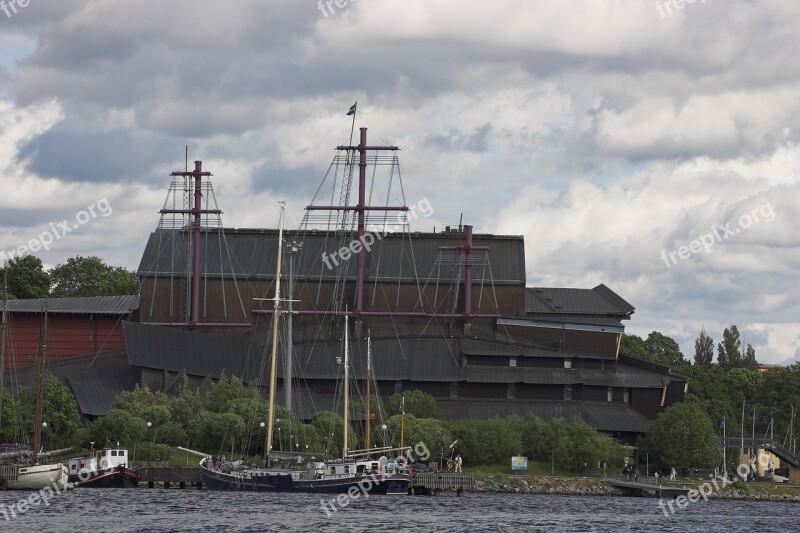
(179, 476)
(634, 488)
(431, 483)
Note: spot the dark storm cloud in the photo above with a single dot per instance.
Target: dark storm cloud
(116, 156)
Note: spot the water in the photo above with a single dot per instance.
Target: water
(174, 510)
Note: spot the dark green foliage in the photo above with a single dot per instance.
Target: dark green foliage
(90, 276)
(417, 403)
(683, 437)
(27, 278)
(703, 349)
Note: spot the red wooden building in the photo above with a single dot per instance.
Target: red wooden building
(75, 326)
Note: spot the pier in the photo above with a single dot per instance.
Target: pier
(179, 476)
(432, 483)
(635, 488)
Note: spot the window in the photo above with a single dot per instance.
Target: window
(567, 392)
(567, 363)
(510, 390)
(610, 394)
(113, 453)
(626, 395)
(454, 389)
(398, 387)
(512, 361)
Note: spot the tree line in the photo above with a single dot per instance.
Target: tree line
(79, 276)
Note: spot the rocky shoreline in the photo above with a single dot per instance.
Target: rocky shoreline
(487, 483)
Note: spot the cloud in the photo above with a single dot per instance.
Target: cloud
(598, 129)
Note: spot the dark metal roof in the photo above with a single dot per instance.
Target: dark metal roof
(598, 325)
(94, 305)
(194, 353)
(640, 378)
(95, 380)
(251, 254)
(598, 301)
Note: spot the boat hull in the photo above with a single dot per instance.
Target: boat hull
(284, 482)
(109, 478)
(38, 477)
(273, 482)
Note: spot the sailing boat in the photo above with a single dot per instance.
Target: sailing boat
(20, 468)
(338, 476)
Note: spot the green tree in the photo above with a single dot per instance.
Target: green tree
(90, 276)
(749, 360)
(703, 349)
(59, 411)
(729, 353)
(185, 405)
(150, 406)
(633, 345)
(418, 403)
(228, 390)
(683, 437)
(663, 349)
(27, 278)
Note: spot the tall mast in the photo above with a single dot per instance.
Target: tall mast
(3, 339)
(274, 360)
(402, 420)
(37, 430)
(346, 383)
(369, 392)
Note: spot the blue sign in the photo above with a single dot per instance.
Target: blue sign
(519, 463)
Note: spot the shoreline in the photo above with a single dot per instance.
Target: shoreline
(593, 486)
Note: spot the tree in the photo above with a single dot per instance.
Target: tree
(729, 353)
(228, 390)
(683, 437)
(633, 345)
(27, 278)
(703, 349)
(90, 276)
(418, 403)
(749, 360)
(663, 349)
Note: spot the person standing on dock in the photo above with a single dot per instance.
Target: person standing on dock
(458, 463)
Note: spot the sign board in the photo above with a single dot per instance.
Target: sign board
(519, 463)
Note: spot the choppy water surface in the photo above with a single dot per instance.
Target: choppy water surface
(176, 510)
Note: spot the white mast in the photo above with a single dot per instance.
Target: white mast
(274, 360)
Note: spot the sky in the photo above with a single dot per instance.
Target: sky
(648, 145)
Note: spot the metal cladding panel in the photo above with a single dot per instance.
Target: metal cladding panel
(598, 301)
(94, 305)
(96, 396)
(614, 418)
(548, 376)
(484, 374)
(639, 378)
(95, 380)
(199, 354)
(614, 298)
(251, 253)
(435, 360)
(601, 378)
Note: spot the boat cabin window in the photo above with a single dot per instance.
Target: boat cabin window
(113, 453)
